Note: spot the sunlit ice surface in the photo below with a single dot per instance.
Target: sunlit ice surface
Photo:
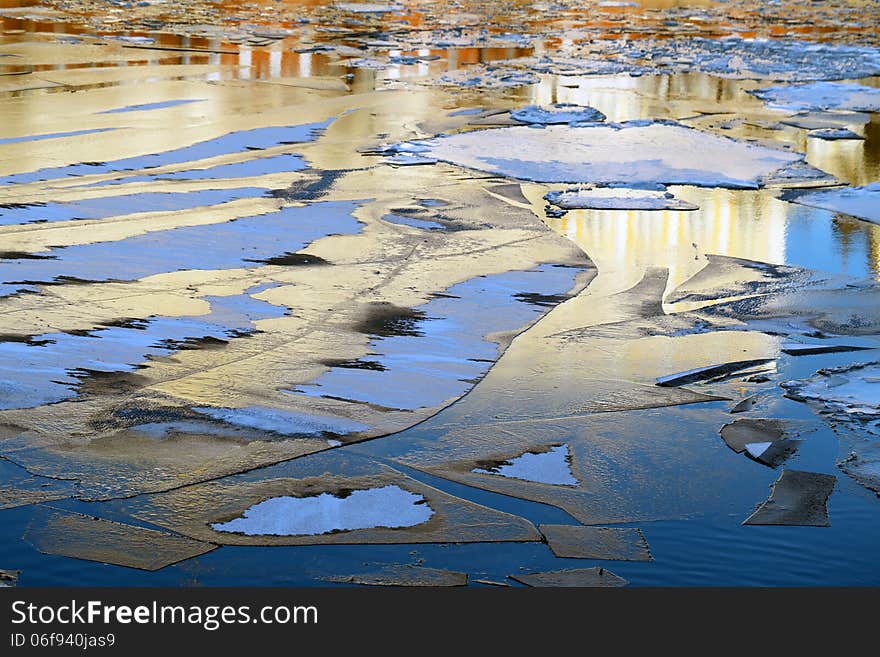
(329, 283)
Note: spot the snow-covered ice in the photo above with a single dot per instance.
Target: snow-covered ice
(617, 199)
(388, 506)
(636, 153)
(550, 467)
(860, 202)
(822, 96)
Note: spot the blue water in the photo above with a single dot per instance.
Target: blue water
(50, 368)
(228, 245)
(153, 106)
(449, 351)
(52, 135)
(257, 167)
(233, 142)
(111, 206)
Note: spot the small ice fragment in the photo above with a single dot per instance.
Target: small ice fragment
(860, 202)
(634, 153)
(617, 199)
(822, 96)
(833, 134)
(558, 113)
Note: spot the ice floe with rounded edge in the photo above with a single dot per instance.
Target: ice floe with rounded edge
(860, 202)
(557, 113)
(852, 390)
(550, 467)
(388, 506)
(833, 134)
(821, 96)
(633, 153)
(617, 199)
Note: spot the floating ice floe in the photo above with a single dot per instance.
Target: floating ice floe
(48, 368)
(766, 441)
(580, 66)
(860, 202)
(617, 199)
(549, 467)
(822, 96)
(576, 577)
(9, 578)
(557, 113)
(635, 153)
(850, 397)
(105, 541)
(708, 372)
(388, 506)
(853, 390)
(614, 543)
(797, 498)
(833, 134)
(744, 405)
(403, 575)
(757, 59)
(825, 120)
(805, 349)
(489, 77)
(366, 7)
(226, 245)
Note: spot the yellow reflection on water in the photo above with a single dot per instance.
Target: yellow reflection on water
(740, 224)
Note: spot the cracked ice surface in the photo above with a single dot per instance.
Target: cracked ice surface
(634, 153)
(388, 506)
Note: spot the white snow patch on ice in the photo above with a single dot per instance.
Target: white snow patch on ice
(633, 154)
(388, 506)
(550, 467)
(557, 114)
(756, 449)
(861, 202)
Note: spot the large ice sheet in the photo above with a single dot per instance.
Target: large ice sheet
(822, 96)
(860, 202)
(636, 153)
